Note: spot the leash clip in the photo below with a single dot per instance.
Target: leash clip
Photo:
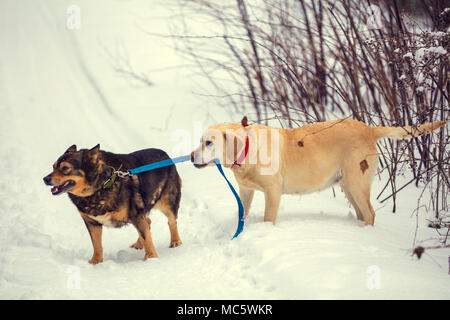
(122, 174)
(116, 173)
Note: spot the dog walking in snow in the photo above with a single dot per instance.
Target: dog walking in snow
(301, 160)
(103, 199)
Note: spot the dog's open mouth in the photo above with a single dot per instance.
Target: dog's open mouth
(65, 186)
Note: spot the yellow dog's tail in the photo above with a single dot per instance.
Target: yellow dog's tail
(407, 132)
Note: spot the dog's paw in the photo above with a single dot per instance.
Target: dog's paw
(95, 260)
(137, 245)
(150, 255)
(175, 243)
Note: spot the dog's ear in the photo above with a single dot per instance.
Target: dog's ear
(233, 144)
(72, 149)
(93, 153)
(244, 121)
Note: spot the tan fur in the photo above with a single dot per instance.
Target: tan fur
(95, 231)
(108, 218)
(143, 224)
(139, 244)
(407, 132)
(314, 157)
(81, 188)
(164, 206)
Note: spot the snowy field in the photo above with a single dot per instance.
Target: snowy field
(59, 87)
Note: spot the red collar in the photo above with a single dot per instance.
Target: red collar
(247, 143)
(243, 154)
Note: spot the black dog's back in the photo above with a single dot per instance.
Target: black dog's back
(146, 156)
(154, 183)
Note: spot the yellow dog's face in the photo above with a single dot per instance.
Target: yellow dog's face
(222, 142)
(227, 143)
(210, 148)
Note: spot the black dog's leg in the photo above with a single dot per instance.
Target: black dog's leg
(95, 231)
(142, 225)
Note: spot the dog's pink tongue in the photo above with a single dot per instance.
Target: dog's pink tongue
(54, 189)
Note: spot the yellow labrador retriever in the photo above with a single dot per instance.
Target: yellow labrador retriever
(301, 160)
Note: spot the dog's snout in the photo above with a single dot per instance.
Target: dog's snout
(48, 180)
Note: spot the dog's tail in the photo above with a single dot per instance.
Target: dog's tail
(406, 132)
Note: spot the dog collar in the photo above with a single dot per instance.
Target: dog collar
(116, 173)
(247, 144)
(243, 154)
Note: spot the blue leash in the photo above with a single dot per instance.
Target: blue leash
(159, 164)
(241, 221)
(169, 162)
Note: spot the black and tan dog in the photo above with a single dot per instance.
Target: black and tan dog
(82, 174)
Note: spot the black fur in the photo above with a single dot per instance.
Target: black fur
(82, 174)
(141, 191)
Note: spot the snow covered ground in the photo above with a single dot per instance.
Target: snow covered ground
(58, 87)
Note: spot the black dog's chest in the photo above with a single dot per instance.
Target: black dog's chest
(105, 211)
(115, 219)
(95, 209)
(96, 205)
